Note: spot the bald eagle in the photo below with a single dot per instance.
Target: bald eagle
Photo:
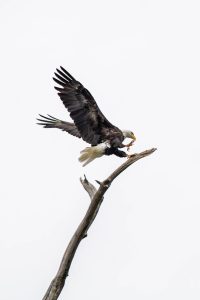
(89, 122)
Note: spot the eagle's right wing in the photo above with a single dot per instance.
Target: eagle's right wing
(82, 107)
(51, 122)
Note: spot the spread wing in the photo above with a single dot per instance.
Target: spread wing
(82, 107)
(51, 122)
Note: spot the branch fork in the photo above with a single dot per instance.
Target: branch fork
(96, 197)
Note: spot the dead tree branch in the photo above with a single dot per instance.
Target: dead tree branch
(96, 197)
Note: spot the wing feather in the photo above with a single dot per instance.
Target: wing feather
(82, 107)
(51, 122)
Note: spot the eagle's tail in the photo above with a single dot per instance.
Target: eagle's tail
(90, 153)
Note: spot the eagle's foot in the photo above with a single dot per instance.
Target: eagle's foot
(129, 145)
(130, 155)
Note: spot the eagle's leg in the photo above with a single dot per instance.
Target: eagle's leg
(128, 145)
(115, 151)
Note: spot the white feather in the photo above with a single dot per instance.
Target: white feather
(90, 153)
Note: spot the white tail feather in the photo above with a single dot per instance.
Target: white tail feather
(90, 153)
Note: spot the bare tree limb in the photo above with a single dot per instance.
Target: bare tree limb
(96, 197)
(90, 188)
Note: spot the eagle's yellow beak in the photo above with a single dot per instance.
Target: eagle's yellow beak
(133, 137)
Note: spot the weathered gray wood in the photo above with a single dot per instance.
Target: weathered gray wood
(96, 197)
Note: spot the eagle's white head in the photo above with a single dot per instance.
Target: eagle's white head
(129, 134)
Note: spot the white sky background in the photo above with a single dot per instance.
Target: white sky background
(141, 62)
